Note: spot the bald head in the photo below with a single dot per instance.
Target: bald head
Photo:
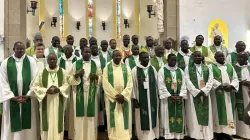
(242, 58)
(52, 60)
(126, 40)
(219, 57)
(159, 51)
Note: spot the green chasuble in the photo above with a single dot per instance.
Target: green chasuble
(201, 108)
(80, 93)
(45, 124)
(239, 96)
(155, 63)
(51, 50)
(143, 99)
(125, 104)
(180, 61)
(219, 94)
(102, 102)
(109, 55)
(174, 108)
(20, 114)
(204, 50)
(62, 62)
(131, 61)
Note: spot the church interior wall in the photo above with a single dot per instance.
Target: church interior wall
(195, 16)
(104, 12)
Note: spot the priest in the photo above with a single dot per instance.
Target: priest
(83, 43)
(19, 120)
(206, 52)
(125, 49)
(183, 56)
(149, 46)
(31, 50)
(168, 45)
(76, 50)
(39, 56)
(134, 58)
(66, 62)
(218, 46)
(242, 68)
(54, 48)
(51, 89)
(104, 51)
(172, 92)
(117, 85)
(225, 84)
(232, 57)
(145, 99)
(198, 105)
(158, 60)
(135, 41)
(86, 76)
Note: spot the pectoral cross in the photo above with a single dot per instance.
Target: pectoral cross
(172, 119)
(168, 80)
(179, 120)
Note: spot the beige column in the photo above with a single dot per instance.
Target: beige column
(171, 21)
(14, 24)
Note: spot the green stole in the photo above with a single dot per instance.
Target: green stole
(239, 96)
(51, 50)
(203, 49)
(109, 55)
(19, 122)
(125, 104)
(180, 61)
(80, 112)
(102, 102)
(174, 108)
(201, 109)
(45, 124)
(155, 63)
(234, 56)
(219, 93)
(143, 99)
(62, 62)
(131, 61)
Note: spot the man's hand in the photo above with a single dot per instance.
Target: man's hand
(228, 88)
(50, 90)
(119, 98)
(56, 89)
(243, 83)
(93, 76)
(17, 99)
(136, 103)
(202, 93)
(178, 98)
(25, 98)
(172, 98)
(79, 73)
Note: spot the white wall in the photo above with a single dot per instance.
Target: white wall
(32, 22)
(148, 26)
(195, 16)
(104, 9)
(76, 9)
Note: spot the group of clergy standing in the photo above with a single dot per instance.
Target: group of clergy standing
(195, 92)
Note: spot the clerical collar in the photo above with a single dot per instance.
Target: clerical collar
(94, 57)
(197, 65)
(135, 56)
(71, 57)
(86, 61)
(143, 67)
(104, 52)
(52, 71)
(38, 59)
(185, 54)
(218, 64)
(19, 59)
(171, 68)
(237, 64)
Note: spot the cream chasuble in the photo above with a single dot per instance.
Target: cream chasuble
(119, 132)
(7, 94)
(40, 63)
(223, 115)
(53, 103)
(194, 129)
(177, 120)
(85, 127)
(153, 132)
(242, 129)
(209, 59)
